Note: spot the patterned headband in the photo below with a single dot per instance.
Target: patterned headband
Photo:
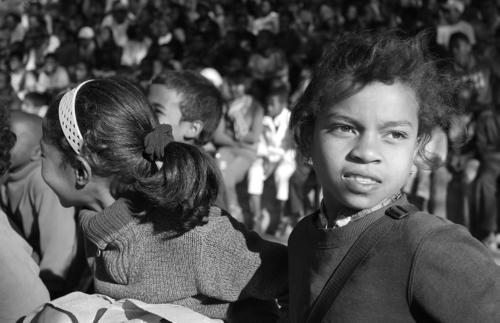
(67, 118)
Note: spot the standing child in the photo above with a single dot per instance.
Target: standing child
(276, 155)
(364, 118)
(153, 232)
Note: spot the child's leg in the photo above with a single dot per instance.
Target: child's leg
(236, 164)
(439, 191)
(282, 175)
(485, 205)
(256, 180)
(297, 194)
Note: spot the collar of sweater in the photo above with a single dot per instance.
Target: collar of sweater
(102, 227)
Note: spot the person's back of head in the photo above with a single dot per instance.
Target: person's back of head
(199, 101)
(28, 131)
(117, 135)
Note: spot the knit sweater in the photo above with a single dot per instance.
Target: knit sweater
(426, 269)
(205, 269)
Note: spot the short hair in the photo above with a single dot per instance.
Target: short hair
(114, 118)
(200, 99)
(358, 59)
(38, 99)
(278, 88)
(456, 37)
(7, 139)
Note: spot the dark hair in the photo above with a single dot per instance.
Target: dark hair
(201, 100)
(357, 60)
(278, 88)
(114, 117)
(456, 37)
(38, 99)
(7, 140)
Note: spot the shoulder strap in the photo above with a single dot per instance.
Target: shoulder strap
(358, 251)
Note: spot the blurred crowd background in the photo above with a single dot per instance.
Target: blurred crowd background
(260, 55)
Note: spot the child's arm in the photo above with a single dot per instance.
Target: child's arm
(253, 134)
(238, 264)
(221, 138)
(454, 278)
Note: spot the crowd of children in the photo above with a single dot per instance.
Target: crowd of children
(150, 138)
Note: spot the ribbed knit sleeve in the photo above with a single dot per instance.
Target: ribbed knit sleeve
(236, 264)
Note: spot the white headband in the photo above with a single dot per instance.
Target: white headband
(67, 118)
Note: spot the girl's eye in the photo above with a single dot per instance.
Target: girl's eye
(398, 135)
(343, 128)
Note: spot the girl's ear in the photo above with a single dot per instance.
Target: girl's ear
(83, 172)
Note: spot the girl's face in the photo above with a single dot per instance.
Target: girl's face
(365, 145)
(59, 175)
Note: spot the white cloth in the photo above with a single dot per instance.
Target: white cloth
(102, 309)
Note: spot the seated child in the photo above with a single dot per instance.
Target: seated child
(368, 112)
(237, 137)
(152, 231)
(21, 288)
(276, 154)
(29, 202)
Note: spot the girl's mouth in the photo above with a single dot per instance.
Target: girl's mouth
(358, 183)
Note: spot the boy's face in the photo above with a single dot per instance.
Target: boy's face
(462, 52)
(50, 65)
(275, 105)
(26, 144)
(364, 146)
(166, 103)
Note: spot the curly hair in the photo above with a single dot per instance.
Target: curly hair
(358, 59)
(114, 118)
(7, 140)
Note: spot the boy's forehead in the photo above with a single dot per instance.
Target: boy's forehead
(163, 94)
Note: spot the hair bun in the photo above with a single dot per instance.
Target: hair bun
(156, 141)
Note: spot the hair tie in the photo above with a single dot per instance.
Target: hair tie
(156, 141)
(67, 119)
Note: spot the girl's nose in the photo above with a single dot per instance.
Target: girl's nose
(366, 149)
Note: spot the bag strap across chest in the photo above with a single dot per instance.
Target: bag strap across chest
(358, 251)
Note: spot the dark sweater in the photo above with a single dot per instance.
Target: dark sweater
(426, 270)
(204, 269)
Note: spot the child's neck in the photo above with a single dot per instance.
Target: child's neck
(334, 213)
